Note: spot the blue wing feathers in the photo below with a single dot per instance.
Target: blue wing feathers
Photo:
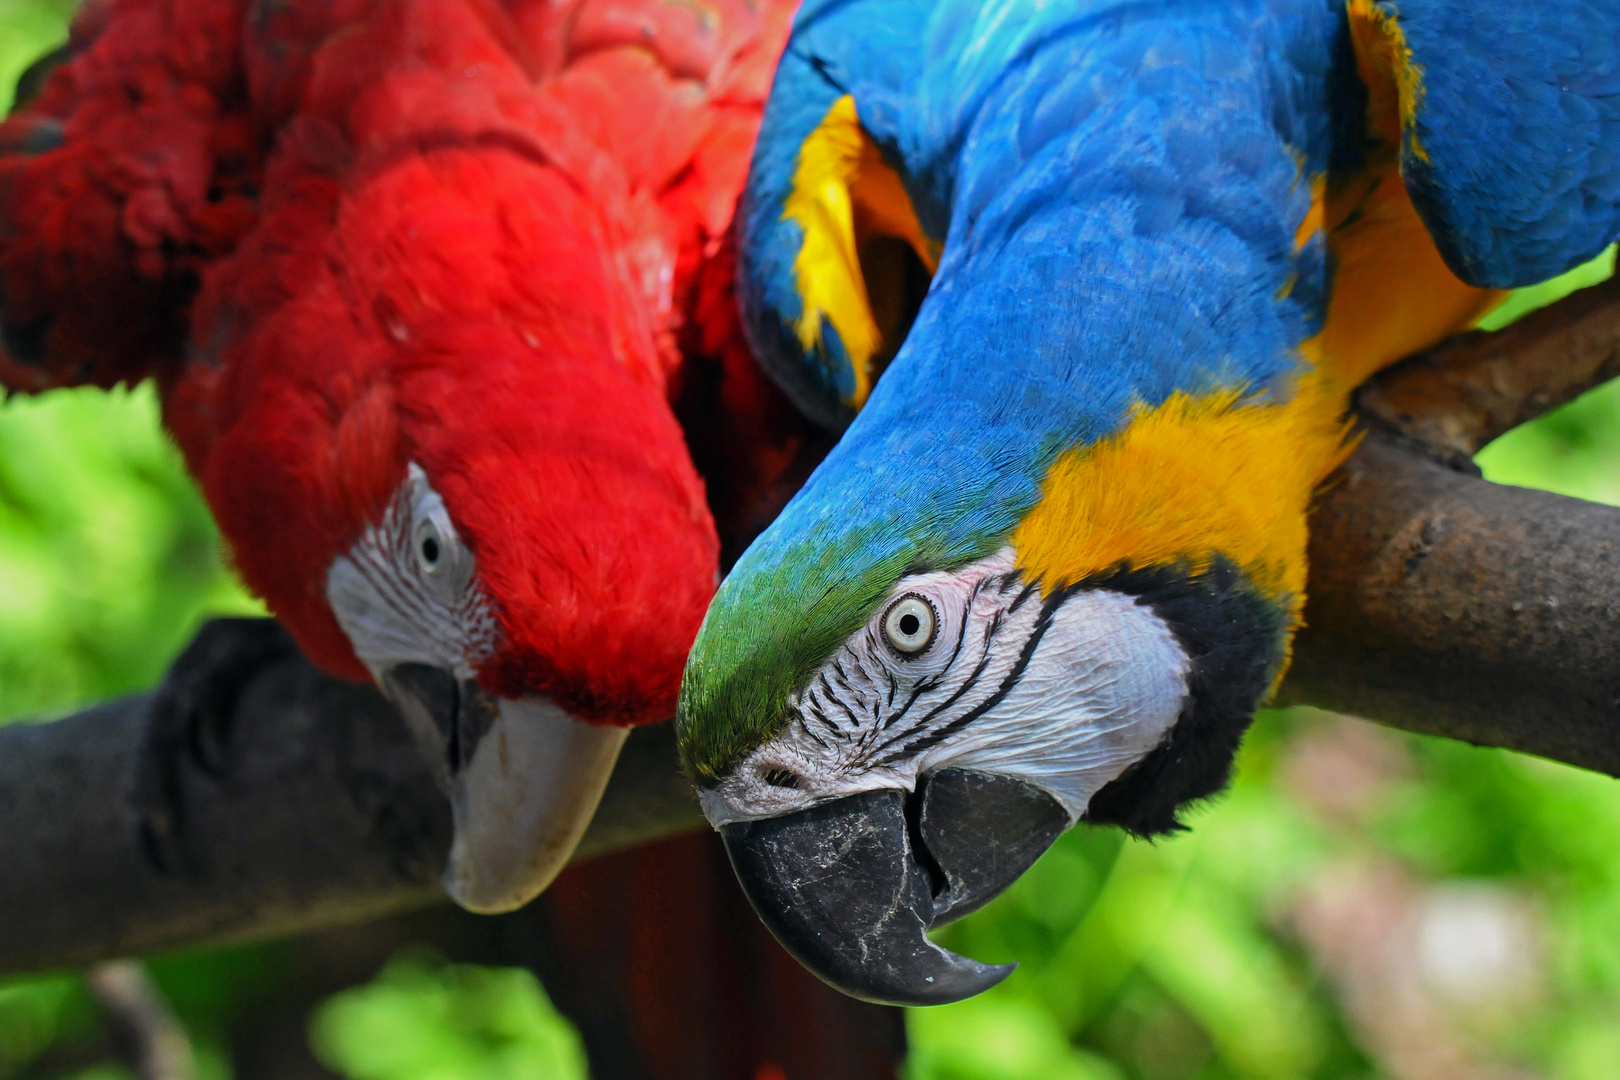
(1106, 244)
(1119, 187)
(1520, 123)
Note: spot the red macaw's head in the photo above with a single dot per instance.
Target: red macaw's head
(437, 435)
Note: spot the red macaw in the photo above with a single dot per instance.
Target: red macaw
(422, 283)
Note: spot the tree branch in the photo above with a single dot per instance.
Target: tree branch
(1439, 603)
(1473, 387)
(151, 1041)
(322, 814)
(1445, 604)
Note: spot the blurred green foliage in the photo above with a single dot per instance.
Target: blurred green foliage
(28, 30)
(422, 1019)
(51, 1026)
(108, 557)
(1362, 904)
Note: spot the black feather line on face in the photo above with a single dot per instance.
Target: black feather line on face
(961, 691)
(828, 694)
(1235, 639)
(869, 727)
(804, 725)
(814, 712)
(992, 631)
(838, 670)
(1042, 622)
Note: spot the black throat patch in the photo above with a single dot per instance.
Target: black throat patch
(1235, 640)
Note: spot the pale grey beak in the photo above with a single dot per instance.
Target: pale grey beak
(523, 777)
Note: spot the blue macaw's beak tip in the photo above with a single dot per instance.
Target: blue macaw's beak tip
(851, 887)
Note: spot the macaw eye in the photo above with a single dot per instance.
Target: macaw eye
(429, 547)
(910, 625)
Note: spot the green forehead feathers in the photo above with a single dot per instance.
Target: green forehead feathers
(769, 628)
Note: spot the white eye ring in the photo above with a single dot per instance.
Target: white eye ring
(910, 624)
(430, 553)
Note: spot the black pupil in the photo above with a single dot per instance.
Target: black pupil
(910, 624)
(430, 549)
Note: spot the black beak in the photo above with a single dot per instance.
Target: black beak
(851, 887)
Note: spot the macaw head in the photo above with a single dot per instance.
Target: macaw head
(528, 594)
(900, 697)
(458, 473)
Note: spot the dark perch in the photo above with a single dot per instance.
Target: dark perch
(1444, 604)
(325, 815)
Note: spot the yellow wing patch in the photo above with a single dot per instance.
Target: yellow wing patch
(1394, 81)
(845, 198)
(1393, 294)
(1190, 478)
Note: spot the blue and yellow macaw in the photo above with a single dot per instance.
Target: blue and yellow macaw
(1119, 266)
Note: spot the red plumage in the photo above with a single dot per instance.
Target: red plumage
(488, 238)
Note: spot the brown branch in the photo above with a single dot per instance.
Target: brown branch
(1476, 386)
(1445, 604)
(149, 1037)
(1439, 602)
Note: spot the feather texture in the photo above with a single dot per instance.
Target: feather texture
(488, 239)
(1173, 238)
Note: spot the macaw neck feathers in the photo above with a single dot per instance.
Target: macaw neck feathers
(1235, 641)
(1186, 481)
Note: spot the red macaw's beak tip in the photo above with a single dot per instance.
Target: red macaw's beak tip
(522, 802)
(524, 779)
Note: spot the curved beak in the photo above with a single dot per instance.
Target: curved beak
(523, 777)
(851, 887)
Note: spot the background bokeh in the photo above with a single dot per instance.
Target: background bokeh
(1363, 904)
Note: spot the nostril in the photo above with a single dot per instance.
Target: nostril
(938, 883)
(780, 778)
